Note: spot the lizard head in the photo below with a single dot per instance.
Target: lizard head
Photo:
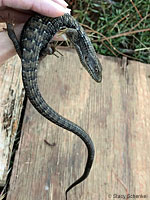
(86, 53)
(92, 65)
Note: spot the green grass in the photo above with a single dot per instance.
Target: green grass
(117, 28)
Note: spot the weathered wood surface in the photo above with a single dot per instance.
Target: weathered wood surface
(11, 98)
(116, 114)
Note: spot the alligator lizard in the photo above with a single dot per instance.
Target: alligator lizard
(35, 37)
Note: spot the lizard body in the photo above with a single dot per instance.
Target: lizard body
(36, 34)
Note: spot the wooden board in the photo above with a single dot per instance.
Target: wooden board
(11, 99)
(115, 113)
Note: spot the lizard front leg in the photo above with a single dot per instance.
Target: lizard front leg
(49, 50)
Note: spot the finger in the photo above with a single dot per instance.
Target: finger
(45, 7)
(61, 2)
(50, 8)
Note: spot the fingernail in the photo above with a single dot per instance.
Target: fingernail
(65, 3)
(67, 10)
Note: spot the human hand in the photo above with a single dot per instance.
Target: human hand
(18, 12)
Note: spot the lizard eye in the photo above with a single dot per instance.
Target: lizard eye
(86, 59)
(96, 69)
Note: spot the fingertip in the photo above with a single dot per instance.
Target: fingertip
(52, 9)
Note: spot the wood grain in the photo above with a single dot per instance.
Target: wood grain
(116, 115)
(11, 102)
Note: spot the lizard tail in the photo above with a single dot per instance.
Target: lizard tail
(35, 97)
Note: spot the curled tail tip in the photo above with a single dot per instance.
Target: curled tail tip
(66, 193)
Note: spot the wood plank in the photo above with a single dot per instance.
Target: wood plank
(116, 115)
(11, 102)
